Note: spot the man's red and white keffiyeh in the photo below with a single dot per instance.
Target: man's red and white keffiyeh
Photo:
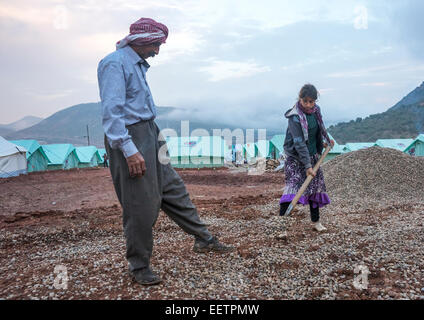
(143, 32)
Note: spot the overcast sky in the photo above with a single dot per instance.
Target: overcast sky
(239, 61)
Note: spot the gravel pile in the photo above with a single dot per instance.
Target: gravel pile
(374, 178)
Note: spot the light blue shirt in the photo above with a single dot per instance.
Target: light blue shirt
(125, 96)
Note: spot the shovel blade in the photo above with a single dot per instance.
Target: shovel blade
(289, 210)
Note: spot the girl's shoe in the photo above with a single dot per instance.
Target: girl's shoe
(319, 227)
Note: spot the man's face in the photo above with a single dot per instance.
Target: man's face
(149, 51)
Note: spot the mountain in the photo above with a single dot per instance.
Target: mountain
(404, 120)
(70, 126)
(4, 130)
(415, 97)
(21, 124)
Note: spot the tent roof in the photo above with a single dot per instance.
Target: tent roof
(101, 152)
(57, 153)
(266, 142)
(355, 146)
(250, 148)
(398, 144)
(261, 144)
(208, 146)
(31, 145)
(86, 153)
(8, 148)
(278, 141)
(338, 148)
(419, 138)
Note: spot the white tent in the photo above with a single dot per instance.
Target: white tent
(12, 159)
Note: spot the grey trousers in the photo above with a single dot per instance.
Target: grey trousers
(142, 198)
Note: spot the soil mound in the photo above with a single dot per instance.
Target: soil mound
(374, 177)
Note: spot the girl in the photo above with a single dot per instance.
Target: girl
(303, 147)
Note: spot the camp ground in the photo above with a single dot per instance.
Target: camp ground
(61, 156)
(12, 159)
(36, 157)
(416, 148)
(88, 156)
(398, 144)
(196, 152)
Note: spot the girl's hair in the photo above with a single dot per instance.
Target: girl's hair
(308, 91)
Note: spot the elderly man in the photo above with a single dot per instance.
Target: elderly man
(142, 183)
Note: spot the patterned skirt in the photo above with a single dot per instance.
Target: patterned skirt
(295, 174)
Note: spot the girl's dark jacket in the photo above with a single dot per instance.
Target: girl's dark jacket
(296, 144)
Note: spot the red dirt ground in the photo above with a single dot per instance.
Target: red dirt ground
(92, 188)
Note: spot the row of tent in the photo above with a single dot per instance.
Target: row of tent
(274, 148)
(21, 156)
(413, 147)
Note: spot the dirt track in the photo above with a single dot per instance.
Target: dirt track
(73, 219)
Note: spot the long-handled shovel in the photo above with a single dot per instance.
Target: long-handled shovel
(303, 188)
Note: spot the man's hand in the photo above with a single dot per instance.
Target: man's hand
(310, 172)
(136, 165)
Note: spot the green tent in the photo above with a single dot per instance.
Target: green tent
(277, 143)
(355, 146)
(398, 144)
(338, 149)
(416, 147)
(88, 156)
(61, 156)
(250, 151)
(101, 153)
(36, 158)
(264, 149)
(196, 152)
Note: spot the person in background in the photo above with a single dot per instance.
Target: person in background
(105, 163)
(143, 182)
(303, 147)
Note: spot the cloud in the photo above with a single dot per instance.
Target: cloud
(382, 50)
(263, 52)
(49, 96)
(185, 42)
(28, 15)
(219, 70)
(375, 84)
(407, 24)
(367, 71)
